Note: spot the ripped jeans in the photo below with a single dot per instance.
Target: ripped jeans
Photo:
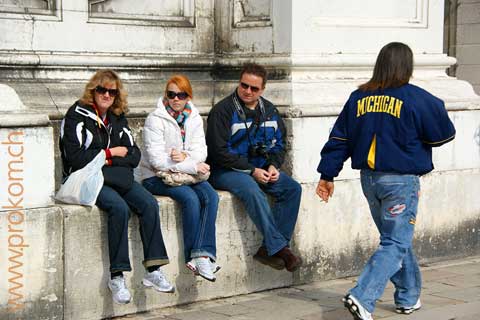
(393, 201)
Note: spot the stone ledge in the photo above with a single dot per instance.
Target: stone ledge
(86, 262)
(31, 264)
(334, 240)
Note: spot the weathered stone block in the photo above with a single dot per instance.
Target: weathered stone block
(31, 264)
(337, 238)
(26, 159)
(87, 262)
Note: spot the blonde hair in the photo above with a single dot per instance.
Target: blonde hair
(102, 78)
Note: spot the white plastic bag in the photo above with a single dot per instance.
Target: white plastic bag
(83, 186)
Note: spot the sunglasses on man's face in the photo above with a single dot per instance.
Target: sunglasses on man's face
(246, 86)
(103, 90)
(180, 95)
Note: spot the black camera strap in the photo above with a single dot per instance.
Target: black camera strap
(243, 116)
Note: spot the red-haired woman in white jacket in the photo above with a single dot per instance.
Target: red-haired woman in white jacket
(174, 141)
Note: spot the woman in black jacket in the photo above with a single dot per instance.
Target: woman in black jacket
(96, 123)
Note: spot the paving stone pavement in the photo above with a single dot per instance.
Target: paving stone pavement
(451, 291)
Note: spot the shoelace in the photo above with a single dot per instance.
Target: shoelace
(159, 275)
(119, 283)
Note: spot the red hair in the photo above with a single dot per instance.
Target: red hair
(182, 83)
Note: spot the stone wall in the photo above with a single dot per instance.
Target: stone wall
(316, 52)
(463, 39)
(61, 264)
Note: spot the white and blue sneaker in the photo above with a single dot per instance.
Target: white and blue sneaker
(356, 309)
(157, 280)
(409, 310)
(120, 293)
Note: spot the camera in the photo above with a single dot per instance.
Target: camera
(258, 150)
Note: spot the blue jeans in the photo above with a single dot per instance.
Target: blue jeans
(393, 201)
(118, 208)
(199, 204)
(276, 224)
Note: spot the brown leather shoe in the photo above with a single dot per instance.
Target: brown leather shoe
(292, 262)
(271, 261)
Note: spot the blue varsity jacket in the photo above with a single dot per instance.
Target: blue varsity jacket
(391, 130)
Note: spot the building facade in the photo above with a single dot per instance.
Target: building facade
(316, 53)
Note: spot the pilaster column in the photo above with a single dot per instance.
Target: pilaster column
(26, 155)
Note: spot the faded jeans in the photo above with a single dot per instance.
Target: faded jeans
(393, 201)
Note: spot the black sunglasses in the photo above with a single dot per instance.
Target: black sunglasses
(246, 86)
(103, 90)
(180, 95)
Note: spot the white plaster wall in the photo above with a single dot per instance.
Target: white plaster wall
(72, 31)
(35, 185)
(346, 26)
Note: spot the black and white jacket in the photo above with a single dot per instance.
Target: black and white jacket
(83, 135)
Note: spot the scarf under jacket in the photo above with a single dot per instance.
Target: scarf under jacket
(180, 117)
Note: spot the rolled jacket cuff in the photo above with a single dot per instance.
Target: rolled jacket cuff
(326, 178)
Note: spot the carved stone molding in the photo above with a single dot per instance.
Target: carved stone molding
(180, 13)
(252, 13)
(17, 9)
(407, 14)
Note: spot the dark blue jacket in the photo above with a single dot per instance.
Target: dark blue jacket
(391, 130)
(227, 140)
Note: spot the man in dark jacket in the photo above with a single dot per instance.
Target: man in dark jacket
(246, 148)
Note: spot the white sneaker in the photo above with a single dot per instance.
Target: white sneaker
(120, 293)
(158, 281)
(203, 268)
(213, 265)
(408, 310)
(356, 309)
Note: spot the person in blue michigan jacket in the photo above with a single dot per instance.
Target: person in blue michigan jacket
(246, 148)
(388, 127)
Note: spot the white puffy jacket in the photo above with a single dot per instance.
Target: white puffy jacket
(161, 134)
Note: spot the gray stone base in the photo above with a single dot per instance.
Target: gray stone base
(65, 267)
(86, 262)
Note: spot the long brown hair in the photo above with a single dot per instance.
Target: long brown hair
(394, 68)
(102, 78)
